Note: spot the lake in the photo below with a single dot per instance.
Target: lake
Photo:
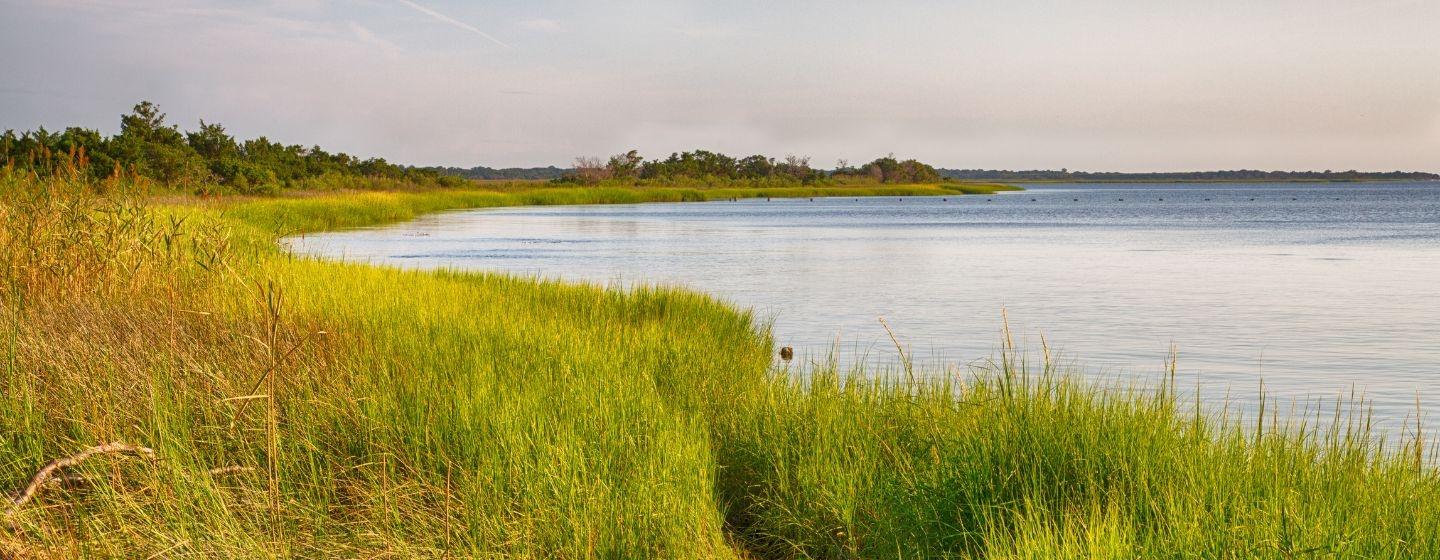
(1318, 289)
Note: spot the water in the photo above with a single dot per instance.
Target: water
(1319, 289)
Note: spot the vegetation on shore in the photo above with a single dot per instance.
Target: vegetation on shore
(289, 215)
(204, 161)
(210, 161)
(706, 167)
(304, 408)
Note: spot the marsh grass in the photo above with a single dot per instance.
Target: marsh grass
(325, 211)
(380, 412)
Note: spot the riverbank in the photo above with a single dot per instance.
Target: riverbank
(318, 212)
(305, 408)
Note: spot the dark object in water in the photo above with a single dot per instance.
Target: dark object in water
(1122, 200)
(812, 200)
(787, 353)
(944, 200)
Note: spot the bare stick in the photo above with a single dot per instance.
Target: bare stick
(48, 471)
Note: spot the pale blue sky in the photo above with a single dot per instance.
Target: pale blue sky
(1102, 85)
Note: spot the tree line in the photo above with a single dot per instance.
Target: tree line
(204, 160)
(211, 160)
(704, 165)
(484, 173)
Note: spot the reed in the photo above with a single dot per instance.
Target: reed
(320, 409)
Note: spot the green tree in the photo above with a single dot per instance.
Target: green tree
(211, 142)
(756, 167)
(626, 165)
(157, 150)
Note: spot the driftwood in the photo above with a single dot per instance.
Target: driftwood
(51, 474)
(48, 471)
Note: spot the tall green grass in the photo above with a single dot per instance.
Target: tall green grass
(379, 412)
(322, 212)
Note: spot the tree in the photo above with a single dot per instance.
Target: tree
(625, 166)
(796, 167)
(156, 150)
(756, 167)
(591, 170)
(211, 141)
(890, 170)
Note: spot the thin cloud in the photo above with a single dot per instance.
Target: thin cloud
(455, 22)
(364, 35)
(540, 24)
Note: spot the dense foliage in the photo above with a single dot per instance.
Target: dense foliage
(710, 167)
(1197, 176)
(890, 170)
(205, 160)
(504, 174)
(697, 165)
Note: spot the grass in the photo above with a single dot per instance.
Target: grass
(342, 210)
(428, 414)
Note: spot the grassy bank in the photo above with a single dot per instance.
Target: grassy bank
(315, 409)
(333, 211)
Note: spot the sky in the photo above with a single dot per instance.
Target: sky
(1119, 85)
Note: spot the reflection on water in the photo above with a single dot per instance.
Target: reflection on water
(1319, 288)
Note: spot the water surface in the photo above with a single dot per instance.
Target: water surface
(1319, 289)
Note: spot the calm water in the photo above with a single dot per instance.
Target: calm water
(1317, 288)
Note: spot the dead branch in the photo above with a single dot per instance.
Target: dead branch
(47, 472)
(51, 474)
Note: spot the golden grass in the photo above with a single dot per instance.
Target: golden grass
(379, 412)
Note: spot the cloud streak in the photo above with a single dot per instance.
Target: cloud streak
(540, 24)
(455, 22)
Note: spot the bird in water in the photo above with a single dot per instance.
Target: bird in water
(787, 353)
